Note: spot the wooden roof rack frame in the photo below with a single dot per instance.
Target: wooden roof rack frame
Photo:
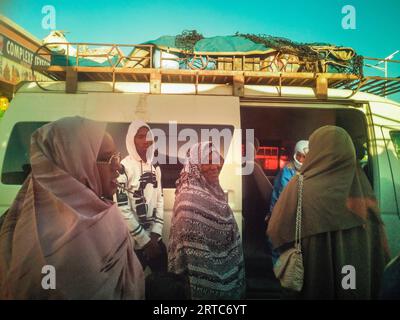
(117, 68)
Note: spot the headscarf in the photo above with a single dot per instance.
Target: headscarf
(335, 195)
(301, 147)
(191, 176)
(204, 239)
(130, 141)
(59, 219)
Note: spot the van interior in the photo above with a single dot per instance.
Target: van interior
(278, 129)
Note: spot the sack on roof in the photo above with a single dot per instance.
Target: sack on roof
(63, 53)
(249, 53)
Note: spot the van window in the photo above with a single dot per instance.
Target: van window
(16, 166)
(395, 135)
(171, 169)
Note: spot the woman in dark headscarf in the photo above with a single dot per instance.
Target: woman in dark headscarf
(205, 243)
(341, 223)
(64, 217)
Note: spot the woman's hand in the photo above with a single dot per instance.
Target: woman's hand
(152, 249)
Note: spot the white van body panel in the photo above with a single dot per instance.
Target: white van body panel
(209, 104)
(202, 89)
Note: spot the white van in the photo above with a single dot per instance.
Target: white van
(280, 116)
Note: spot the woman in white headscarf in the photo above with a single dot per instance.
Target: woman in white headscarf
(63, 217)
(289, 171)
(205, 243)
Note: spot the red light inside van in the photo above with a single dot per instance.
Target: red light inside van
(268, 156)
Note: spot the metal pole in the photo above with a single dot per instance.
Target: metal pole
(385, 63)
(386, 74)
(386, 69)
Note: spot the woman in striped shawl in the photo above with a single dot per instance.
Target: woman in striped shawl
(205, 243)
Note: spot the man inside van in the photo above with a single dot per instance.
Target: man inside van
(140, 198)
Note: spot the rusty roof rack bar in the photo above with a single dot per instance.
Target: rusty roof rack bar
(73, 62)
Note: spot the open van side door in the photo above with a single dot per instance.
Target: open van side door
(392, 144)
(386, 125)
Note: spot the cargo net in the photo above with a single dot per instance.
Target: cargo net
(248, 52)
(313, 57)
(187, 40)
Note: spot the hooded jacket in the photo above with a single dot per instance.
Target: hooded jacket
(143, 206)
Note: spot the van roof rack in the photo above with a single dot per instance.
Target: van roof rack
(73, 62)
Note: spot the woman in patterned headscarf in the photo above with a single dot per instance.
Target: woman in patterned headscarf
(341, 224)
(64, 220)
(205, 243)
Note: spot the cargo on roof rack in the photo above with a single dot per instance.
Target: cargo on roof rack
(73, 62)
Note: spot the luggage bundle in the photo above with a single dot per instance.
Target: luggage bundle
(244, 52)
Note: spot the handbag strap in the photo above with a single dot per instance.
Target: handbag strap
(297, 237)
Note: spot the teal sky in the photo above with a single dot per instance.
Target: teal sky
(122, 21)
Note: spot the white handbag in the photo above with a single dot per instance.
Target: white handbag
(289, 269)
